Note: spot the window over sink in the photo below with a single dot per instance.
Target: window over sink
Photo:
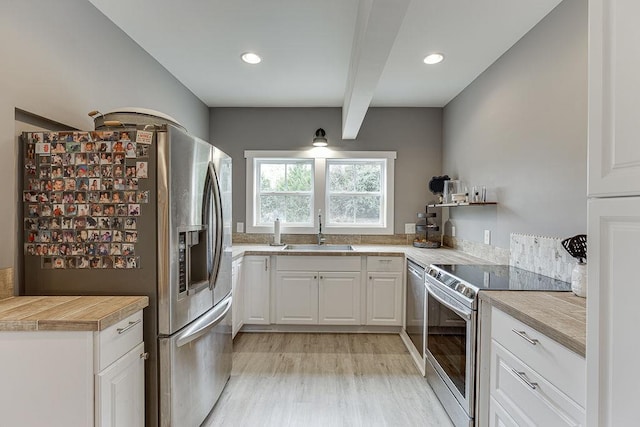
(353, 190)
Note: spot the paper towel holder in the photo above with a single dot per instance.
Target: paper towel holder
(276, 234)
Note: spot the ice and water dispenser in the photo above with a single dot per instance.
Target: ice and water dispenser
(192, 260)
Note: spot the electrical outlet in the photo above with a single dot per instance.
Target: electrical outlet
(487, 237)
(453, 231)
(240, 227)
(410, 228)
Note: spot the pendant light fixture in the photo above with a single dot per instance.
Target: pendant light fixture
(320, 140)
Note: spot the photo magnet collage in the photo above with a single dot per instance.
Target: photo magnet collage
(83, 197)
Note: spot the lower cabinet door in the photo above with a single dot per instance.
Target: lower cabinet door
(255, 287)
(384, 299)
(339, 298)
(120, 391)
(297, 297)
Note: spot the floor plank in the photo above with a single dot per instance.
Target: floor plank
(325, 380)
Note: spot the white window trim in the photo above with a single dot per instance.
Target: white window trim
(387, 203)
(319, 201)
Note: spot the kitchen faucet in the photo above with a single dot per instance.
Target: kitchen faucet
(321, 239)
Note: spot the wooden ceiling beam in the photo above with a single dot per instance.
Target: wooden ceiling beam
(377, 25)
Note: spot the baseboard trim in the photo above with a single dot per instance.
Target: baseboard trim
(332, 329)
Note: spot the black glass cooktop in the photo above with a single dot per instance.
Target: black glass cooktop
(499, 277)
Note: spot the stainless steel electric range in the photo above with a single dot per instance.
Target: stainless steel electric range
(451, 326)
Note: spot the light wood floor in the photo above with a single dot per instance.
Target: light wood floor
(325, 380)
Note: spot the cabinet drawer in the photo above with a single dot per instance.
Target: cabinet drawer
(564, 368)
(528, 397)
(498, 417)
(117, 340)
(385, 263)
(318, 263)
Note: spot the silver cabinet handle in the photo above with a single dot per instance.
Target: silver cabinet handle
(524, 336)
(265, 265)
(128, 327)
(144, 355)
(524, 379)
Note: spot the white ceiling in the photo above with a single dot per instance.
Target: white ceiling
(309, 52)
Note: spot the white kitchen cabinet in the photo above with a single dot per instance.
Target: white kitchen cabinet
(120, 391)
(499, 417)
(384, 299)
(237, 308)
(297, 297)
(612, 295)
(311, 298)
(384, 290)
(312, 290)
(614, 70)
(74, 378)
(339, 298)
(256, 289)
(613, 222)
(533, 379)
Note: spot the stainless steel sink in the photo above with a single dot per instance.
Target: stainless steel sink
(318, 248)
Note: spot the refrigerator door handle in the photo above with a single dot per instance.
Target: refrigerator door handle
(204, 324)
(212, 179)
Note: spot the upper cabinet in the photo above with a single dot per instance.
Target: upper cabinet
(614, 91)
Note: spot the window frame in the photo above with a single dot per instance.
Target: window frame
(320, 193)
(382, 193)
(258, 193)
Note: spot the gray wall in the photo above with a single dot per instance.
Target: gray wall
(61, 59)
(415, 133)
(521, 129)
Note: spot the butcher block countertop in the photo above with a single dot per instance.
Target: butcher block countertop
(67, 313)
(561, 316)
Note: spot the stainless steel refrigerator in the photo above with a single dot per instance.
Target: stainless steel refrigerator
(139, 208)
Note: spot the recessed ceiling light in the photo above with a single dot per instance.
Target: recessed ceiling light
(251, 58)
(434, 58)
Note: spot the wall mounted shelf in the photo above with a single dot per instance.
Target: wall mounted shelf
(452, 205)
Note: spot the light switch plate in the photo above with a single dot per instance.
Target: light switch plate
(240, 227)
(487, 237)
(410, 228)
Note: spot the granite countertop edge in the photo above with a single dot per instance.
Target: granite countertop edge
(421, 256)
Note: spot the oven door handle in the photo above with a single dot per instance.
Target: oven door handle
(457, 310)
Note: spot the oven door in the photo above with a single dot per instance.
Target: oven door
(450, 344)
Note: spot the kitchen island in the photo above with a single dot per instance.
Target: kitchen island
(72, 360)
(67, 313)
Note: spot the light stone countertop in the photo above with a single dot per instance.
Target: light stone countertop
(422, 256)
(67, 313)
(561, 316)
